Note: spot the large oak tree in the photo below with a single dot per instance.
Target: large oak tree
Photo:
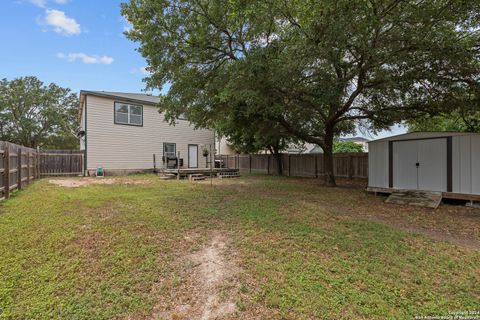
(313, 67)
(36, 115)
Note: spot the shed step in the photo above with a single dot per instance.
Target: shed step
(429, 199)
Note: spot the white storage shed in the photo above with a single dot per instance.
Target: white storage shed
(431, 161)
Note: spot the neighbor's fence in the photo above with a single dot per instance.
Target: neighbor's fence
(19, 166)
(348, 165)
(61, 162)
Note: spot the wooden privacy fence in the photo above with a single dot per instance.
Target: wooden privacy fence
(19, 166)
(348, 165)
(61, 162)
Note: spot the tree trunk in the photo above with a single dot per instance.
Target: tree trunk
(278, 158)
(328, 159)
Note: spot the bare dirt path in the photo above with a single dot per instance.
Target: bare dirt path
(208, 283)
(87, 181)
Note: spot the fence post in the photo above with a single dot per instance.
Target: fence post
(37, 165)
(268, 164)
(315, 158)
(250, 163)
(37, 162)
(82, 167)
(289, 165)
(19, 168)
(350, 167)
(28, 167)
(6, 172)
(34, 172)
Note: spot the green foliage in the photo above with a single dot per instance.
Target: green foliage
(463, 120)
(36, 115)
(346, 147)
(313, 68)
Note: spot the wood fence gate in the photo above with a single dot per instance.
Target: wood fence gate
(61, 162)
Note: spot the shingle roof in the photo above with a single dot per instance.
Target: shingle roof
(355, 139)
(138, 97)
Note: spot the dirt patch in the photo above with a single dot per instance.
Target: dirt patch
(453, 223)
(207, 285)
(463, 242)
(81, 182)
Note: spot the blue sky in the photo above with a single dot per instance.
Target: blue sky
(77, 44)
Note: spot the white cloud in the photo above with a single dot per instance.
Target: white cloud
(85, 58)
(61, 23)
(43, 3)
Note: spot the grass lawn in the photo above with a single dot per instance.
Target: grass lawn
(291, 249)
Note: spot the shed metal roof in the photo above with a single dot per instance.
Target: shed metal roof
(423, 135)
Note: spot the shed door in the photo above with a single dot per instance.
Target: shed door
(405, 154)
(420, 164)
(192, 156)
(432, 170)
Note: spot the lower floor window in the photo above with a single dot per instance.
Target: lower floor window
(169, 150)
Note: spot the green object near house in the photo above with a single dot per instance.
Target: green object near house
(99, 172)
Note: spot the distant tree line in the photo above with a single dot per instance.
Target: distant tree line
(34, 115)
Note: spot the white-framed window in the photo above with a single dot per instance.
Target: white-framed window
(169, 150)
(128, 114)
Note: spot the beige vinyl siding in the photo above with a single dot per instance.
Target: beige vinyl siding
(118, 147)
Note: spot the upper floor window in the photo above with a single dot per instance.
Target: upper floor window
(128, 114)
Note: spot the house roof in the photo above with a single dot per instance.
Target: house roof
(316, 149)
(423, 135)
(141, 98)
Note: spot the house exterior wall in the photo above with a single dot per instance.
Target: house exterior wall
(119, 147)
(223, 148)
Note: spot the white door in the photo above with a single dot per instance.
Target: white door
(432, 160)
(405, 154)
(420, 164)
(192, 156)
